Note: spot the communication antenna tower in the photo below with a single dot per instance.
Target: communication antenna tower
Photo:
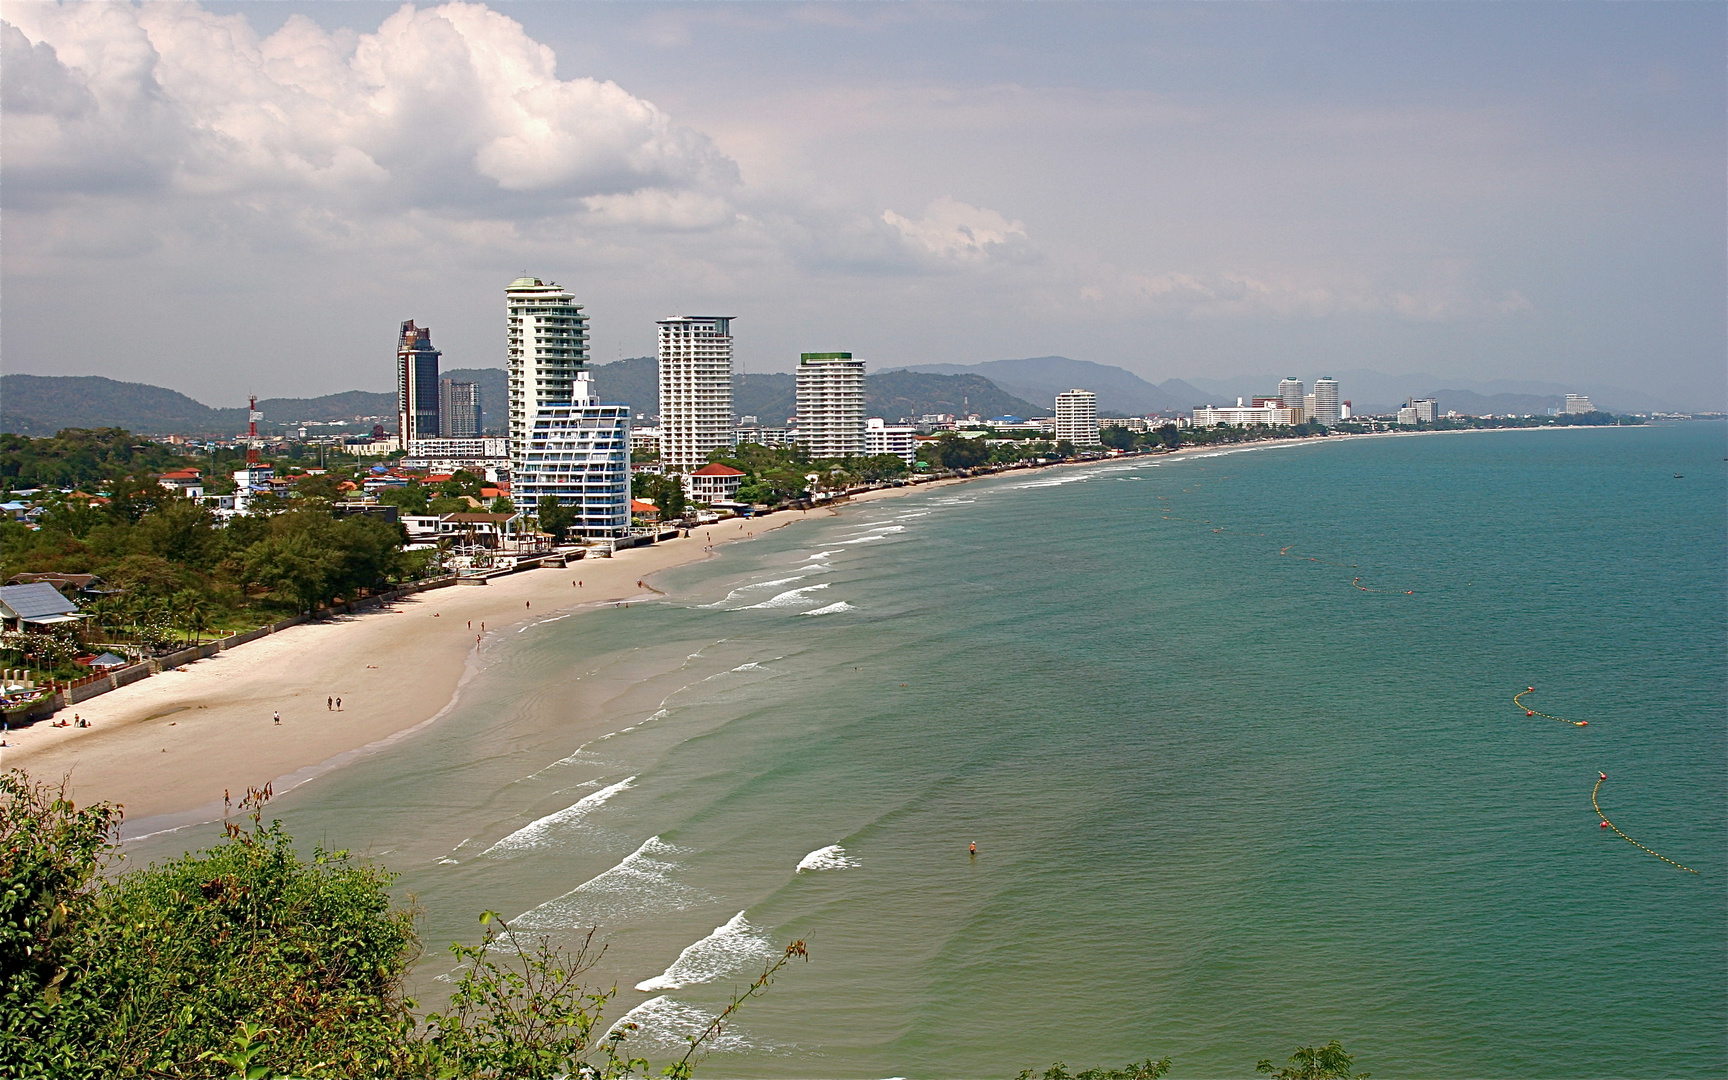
(252, 418)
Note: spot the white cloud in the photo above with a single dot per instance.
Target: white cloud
(452, 109)
(955, 230)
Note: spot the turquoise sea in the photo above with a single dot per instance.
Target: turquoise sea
(1233, 734)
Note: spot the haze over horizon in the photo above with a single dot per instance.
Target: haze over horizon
(230, 198)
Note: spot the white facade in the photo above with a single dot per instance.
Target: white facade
(831, 404)
(1578, 403)
(1327, 409)
(1290, 393)
(1407, 416)
(1077, 417)
(1247, 416)
(547, 345)
(1427, 409)
(578, 452)
(695, 390)
(881, 437)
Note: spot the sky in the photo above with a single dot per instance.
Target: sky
(234, 198)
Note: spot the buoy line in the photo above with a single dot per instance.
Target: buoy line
(1602, 777)
(1528, 711)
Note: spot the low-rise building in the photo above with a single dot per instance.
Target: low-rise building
(881, 437)
(1247, 415)
(184, 482)
(714, 483)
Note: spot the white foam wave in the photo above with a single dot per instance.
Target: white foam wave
(791, 598)
(866, 538)
(536, 832)
(662, 1024)
(641, 884)
(728, 950)
(830, 609)
(832, 857)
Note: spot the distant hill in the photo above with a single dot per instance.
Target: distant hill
(1040, 378)
(40, 405)
(897, 395)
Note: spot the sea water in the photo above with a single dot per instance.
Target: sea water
(1233, 734)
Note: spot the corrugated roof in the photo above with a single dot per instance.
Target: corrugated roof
(36, 600)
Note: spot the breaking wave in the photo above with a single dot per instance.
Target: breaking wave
(832, 857)
(535, 832)
(728, 950)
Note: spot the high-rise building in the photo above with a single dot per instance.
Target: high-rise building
(881, 437)
(458, 409)
(1291, 394)
(416, 385)
(1427, 409)
(1578, 403)
(578, 452)
(1326, 406)
(547, 343)
(1077, 417)
(695, 390)
(831, 404)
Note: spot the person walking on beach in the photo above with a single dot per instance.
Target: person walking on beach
(329, 704)
(338, 704)
(278, 719)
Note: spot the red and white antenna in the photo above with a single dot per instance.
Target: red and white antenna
(252, 418)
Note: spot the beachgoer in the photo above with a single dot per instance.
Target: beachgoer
(278, 717)
(329, 704)
(527, 603)
(470, 624)
(974, 849)
(338, 704)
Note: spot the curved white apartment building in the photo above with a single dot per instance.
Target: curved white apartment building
(547, 346)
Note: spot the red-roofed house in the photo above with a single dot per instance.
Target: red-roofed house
(187, 482)
(647, 511)
(714, 483)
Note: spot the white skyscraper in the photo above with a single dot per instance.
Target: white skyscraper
(831, 404)
(1291, 394)
(695, 390)
(1077, 417)
(548, 345)
(1326, 406)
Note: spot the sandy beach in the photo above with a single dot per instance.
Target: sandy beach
(171, 745)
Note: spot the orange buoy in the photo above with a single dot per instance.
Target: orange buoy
(1604, 824)
(1527, 712)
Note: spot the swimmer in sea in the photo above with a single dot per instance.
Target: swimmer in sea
(974, 849)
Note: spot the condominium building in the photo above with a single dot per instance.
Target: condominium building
(1578, 403)
(1327, 409)
(578, 452)
(831, 404)
(695, 390)
(1427, 409)
(1247, 415)
(881, 437)
(416, 385)
(547, 345)
(1077, 417)
(458, 410)
(1290, 393)
(1407, 416)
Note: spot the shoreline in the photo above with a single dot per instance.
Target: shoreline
(170, 747)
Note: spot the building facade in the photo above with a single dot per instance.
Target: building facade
(695, 390)
(546, 346)
(1427, 409)
(715, 483)
(459, 414)
(578, 452)
(1578, 403)
(1247, 416)
(1327, 408)
(1077, 417)
(1291, 394)
(831, 404)
(881, 437)
(416, 385)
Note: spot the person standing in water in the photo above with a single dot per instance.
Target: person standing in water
(974, 849)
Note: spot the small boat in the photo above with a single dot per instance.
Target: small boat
(1679, 476)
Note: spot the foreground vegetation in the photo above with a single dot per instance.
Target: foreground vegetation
(249, 960)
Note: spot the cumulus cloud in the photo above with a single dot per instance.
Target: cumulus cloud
(951, 229)
(448, 110)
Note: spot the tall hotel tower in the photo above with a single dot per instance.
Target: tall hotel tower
(416, 385)
(1326, 409)
(831, 404)
(1077, 417)
(564, 444)
(695, 390)
(1290, 393)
